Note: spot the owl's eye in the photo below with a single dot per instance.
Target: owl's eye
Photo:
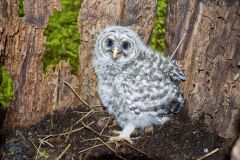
(109, 43)
(126, 45)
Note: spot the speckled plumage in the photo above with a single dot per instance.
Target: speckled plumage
(139, 87)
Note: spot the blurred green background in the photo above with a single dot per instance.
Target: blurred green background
(63, 40)
(6, 88)
(157, 40)
(62, 36)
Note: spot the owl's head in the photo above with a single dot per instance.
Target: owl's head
(119, 44)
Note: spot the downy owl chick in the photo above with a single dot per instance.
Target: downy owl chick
(137, 86)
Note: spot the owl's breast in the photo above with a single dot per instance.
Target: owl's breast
(109, 91)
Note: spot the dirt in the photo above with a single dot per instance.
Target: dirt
(178, 139)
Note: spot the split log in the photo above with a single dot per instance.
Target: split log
(211, 59)
(22, 45)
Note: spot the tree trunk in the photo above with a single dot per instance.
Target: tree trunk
(22, 45)
(95, 16)
(211, 59)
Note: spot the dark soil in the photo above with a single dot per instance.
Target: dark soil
(176, 140)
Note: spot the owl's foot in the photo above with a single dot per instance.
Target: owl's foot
(124, 134)
(118, 138)
(116, 132)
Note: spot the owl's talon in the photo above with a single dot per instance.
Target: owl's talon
(117, 139)
(116, 132)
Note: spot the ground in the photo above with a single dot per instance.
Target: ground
(66, 135)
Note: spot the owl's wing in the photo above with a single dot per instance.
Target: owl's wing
(171, 68)
(166, 65)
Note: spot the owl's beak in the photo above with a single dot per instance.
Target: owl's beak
(115, 53)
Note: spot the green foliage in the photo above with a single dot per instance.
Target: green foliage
(20, 8)
(157, 41)
(6, 88)
(62, 36)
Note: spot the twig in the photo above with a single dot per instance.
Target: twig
(98, 145)
(99, 139)
(80, 112)
(103, 143)
(86, 115)
(75, 130)
(106, 144)
(67, 108)
(37, 148)
(91, 129)
(43, 141)
(138, 150)
(109, 118)
(67, 84)
(38, 151)
(24, 140)
(179, 44)
(95, 143)
(68, 135)
(63, 152)
(208, 154)
(65, 133)
(48, 136)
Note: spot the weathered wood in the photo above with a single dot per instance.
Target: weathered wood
(95, 16)
(22, 45)
(211, 59)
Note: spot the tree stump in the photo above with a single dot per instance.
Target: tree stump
(22, 45)
(211, 59)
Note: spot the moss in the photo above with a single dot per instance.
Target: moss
(62, 36)
(6, 88)
(157, 40)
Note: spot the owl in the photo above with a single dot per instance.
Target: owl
(137, 86)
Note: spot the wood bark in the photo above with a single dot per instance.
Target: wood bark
(22, 45)
(211, 58)
(95, 16)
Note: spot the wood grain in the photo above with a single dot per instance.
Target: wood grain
(211, 57)
(22, 44)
